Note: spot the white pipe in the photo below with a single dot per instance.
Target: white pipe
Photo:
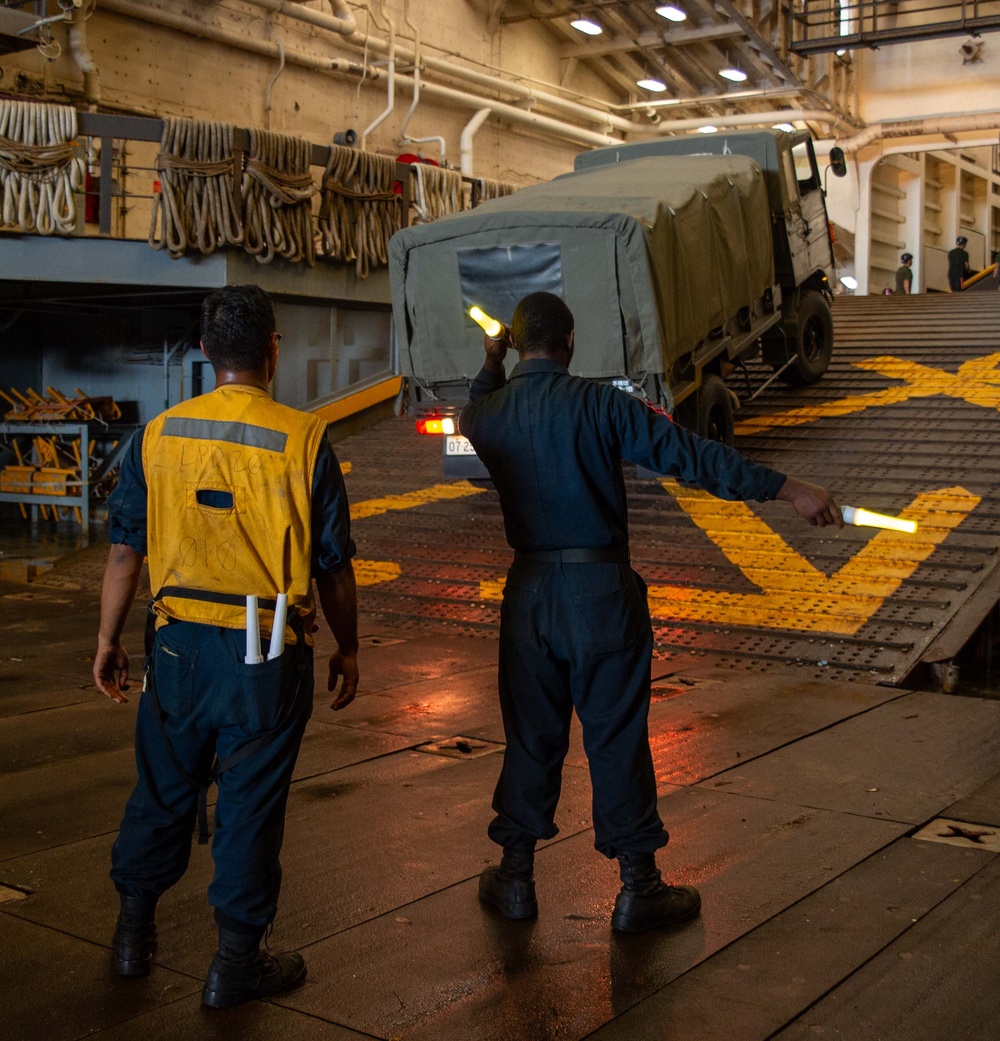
(954, 123)
(416, 69)
(342, 22)
(183, 24)
(82, 56)
(602, 117)
(742, 120)
(459, 98)
(468, 133)
(391, 93)
(274, 79)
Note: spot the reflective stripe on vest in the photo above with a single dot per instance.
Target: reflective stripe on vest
(230, 496)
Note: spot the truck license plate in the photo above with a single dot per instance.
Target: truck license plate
(455, 444)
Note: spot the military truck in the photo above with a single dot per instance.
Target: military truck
(681, 259)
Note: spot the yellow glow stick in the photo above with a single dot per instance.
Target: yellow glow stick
(856, 515)
(490, 326)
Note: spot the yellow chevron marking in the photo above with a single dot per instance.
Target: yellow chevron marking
(977, 381)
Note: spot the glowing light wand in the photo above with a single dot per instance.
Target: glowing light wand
(865, 518)
(494, 330)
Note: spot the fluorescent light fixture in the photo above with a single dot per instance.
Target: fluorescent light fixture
(708, 129)
(840, 53)
(733, 74)
(649, 83)
(849, 281)
(585, 25)
(783, 126)
(671, 13)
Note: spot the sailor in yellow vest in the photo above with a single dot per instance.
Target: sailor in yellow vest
(231, 496)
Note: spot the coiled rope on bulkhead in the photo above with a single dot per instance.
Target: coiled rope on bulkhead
(487, 189)
(439, 191)
(195, 209)
(39, 168)
(359, 211)
(277, 198)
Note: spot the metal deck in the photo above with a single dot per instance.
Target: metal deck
(905, 422)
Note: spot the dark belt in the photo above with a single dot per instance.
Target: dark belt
(587, 555)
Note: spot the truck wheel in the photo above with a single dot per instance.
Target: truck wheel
(715, 411)
(813, 341)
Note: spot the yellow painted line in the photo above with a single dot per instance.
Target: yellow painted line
(355, 403)
(345, 468)
(375, 572)
(977, 381)
(408, 500)
(794, 594)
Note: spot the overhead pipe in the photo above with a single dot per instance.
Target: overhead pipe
(184, 24)
(83, 57)
(600, 116)
(458, 98)
(922, 126)
(467, 134)
(343, 21)
(743, 119)
(391, 93)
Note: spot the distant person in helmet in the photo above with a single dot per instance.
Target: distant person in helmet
(958, 265)
(904, 274)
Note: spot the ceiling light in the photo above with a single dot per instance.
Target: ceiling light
(585, 25)
(783, 126)
(671, 13)
(733, 74)
(708, 129)
(649, 83)
(849, 281)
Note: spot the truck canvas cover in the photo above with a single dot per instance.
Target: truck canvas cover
(650, 255)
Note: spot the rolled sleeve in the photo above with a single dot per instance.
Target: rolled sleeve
(127, 509)
(332, 545)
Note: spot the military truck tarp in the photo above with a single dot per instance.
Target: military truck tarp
(650, 255)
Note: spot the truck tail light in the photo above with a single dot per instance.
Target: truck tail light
(436, 425)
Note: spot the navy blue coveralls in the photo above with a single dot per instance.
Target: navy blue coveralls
(213, 704)
(575, 629)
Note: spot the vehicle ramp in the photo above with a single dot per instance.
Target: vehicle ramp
(906, 422)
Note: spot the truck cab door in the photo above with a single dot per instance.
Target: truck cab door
(810, 224)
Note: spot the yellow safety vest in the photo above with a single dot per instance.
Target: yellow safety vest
(229, 477)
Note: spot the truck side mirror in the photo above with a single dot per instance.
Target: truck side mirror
(838, 162)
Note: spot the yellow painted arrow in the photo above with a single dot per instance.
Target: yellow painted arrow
(420, 497)
(793, 593)
(977, 381)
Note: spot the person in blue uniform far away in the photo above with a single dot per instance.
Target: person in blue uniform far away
(958, 265)
(230, 495)
(575, 629)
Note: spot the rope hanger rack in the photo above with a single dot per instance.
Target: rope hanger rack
(39, 170)
(223, 186)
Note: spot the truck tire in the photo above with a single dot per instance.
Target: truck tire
(715, 411)
(813, 341)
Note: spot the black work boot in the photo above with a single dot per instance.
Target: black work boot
(509, 888)
(241, 971)
(646, 901)
(134, 941)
